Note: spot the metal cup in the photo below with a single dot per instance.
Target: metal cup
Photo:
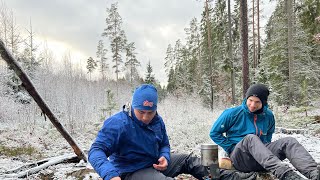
(209, 154)
(209, 159)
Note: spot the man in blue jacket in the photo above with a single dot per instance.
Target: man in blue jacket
(248, 132)
(133, 144)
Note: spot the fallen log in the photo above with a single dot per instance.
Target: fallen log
(13, 64)
(26, 166)
(291, 131)
(20, 172)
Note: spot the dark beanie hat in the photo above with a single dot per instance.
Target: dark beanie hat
(145, 97)
(258, 90)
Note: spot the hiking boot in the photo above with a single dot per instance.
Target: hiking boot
(315, 175)
(291, 175)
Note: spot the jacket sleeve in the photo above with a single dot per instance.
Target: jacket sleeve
(104, 145)
(220, 126)
(165, 145)
(271, 128)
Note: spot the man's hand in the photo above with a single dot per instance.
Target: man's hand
(115, 178)
(163, 164)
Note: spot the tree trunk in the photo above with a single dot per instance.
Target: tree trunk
(290, 48)
(244, 45)
(258, 29)
(231, 55)
(210, 53)
(254, 40)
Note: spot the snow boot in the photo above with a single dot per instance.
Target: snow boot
(291, 175)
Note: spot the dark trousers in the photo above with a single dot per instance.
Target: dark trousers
(251, 154)
(179, 164)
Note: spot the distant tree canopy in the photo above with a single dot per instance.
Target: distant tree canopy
(290, 70)
(209, 62)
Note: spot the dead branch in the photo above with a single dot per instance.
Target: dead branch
(20, 172)
(38, 99)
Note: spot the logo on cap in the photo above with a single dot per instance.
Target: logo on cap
(147, 103)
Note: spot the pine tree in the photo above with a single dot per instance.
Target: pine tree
(102, 55)
(132, 63)
(183, 77)
(274, 67)
(169, 59)
(116, 36)
(28, 57)
(221, 61)
(14, 35)
(244, 45)
(10, 36)
(308, 11)
(149, 79)
(171, 87)
(193, 50)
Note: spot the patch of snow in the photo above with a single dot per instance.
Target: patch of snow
(187, 122)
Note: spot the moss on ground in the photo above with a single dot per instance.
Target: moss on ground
(17, 151)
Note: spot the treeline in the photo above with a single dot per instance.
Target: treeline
(41, 64)
(69, 91)
(286, 59)
(217, 60)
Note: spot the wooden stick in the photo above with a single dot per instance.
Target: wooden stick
(33, 170)
(36, 96)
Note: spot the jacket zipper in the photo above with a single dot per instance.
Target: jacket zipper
(255, 117)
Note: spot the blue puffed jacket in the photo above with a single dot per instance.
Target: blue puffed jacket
(125, 144)
(237, 122)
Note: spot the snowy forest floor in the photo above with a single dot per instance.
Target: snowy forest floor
(188, 127)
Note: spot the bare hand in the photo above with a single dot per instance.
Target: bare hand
(163, 164)
(115, 178)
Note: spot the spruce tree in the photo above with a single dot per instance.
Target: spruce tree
(149, 78)
(274, 67)
(91, 65)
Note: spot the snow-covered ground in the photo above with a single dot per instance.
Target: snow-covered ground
(187, 123)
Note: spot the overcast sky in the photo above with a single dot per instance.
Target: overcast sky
(76, 25)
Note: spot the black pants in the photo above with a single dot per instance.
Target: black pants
(179, 164)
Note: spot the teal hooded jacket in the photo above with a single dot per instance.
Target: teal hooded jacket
(237, 122)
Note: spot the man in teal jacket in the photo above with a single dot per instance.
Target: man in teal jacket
(248, 132)
(133, 144)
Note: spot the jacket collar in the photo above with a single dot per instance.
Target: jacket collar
(128, 109)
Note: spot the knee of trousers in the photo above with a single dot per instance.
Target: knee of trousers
(251, 137)
(289, 140)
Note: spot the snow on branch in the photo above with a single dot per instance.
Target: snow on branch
(40, 165)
